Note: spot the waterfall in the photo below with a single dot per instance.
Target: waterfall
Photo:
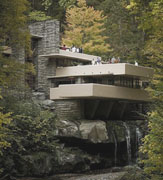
(128, 141)
(138, 136)
(138, 140)
(115, 149)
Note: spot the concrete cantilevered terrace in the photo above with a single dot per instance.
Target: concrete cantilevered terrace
(71, 55)
(95, 91)
(104, 69)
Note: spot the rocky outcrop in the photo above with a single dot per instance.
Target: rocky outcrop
(97, 131)
(62, 160)
(92, 131)
(81, 145)
(39, 98)
(65, 128)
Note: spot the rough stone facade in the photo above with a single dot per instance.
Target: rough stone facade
(48, 43)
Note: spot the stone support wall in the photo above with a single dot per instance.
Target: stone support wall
(69, 109)
(48, 43)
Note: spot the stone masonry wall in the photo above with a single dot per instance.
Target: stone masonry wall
(48, 44)
(69, 109)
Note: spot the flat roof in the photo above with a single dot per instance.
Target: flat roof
(36, 36)
(73, 55)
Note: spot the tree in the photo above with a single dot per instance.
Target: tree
(39, 10)
(153, 145)
(31, 130)
(66, 4)
(13, 31)
(125, 38)
(151, 23)
(4, 121)
(13, 27)
(85, 28)
(46, 9)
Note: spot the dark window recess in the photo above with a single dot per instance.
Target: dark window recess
(57, 82)
(31, 80)
(121, 81)
(34, 48)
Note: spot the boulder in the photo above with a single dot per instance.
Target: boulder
(38, 96)
(94, 131)
(65, 128)
(48, 104)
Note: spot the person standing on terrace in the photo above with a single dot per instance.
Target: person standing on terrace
(113, 60)
(64, 47)
(93, 61)
(98, 62)
(80, 50)
(73, 48)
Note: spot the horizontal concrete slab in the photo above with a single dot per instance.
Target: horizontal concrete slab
(71, 55)
(72, 91)
(105, 69)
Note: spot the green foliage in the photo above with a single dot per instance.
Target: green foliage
(66, 4)
(150, 20)
(13, 31)
(12, 72)
(4, 121)
(46, 3)
(31, 130)
(13, 28)
(32, 127)
(85, 28)
(38, 16)
(153, 144)
(46, 9)
(125, 38)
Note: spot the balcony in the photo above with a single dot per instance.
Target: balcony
(104, 69)
(94, 91)
(71, 55)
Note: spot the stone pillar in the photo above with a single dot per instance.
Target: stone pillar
(69, 109)
(48, 43)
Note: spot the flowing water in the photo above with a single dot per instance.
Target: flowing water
(138, 136)
(138, 140)
(115, 149)
(128, 141)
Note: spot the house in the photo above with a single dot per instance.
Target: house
(80, 89)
